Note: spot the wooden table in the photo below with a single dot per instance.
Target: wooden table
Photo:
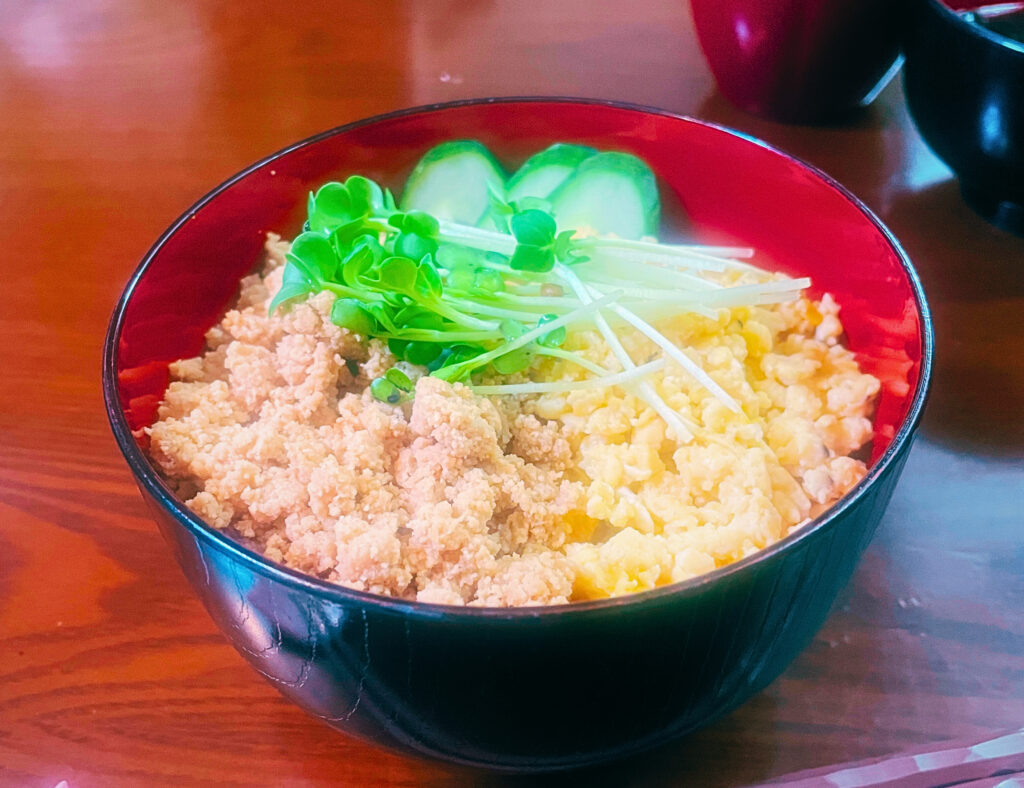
(115, 115)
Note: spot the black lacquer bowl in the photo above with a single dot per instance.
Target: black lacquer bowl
(964, 86)
(534, 688)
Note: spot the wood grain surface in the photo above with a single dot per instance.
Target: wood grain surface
(115, 115)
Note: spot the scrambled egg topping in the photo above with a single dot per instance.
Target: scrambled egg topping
(501, 501)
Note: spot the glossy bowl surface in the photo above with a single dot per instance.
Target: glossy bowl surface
(965, 91)
(529, 689)
(799, 60)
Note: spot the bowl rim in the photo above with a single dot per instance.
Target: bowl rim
(153, 484)
(978, 31)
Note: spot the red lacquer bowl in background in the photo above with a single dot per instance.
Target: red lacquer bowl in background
(800, 60)
(542, 688)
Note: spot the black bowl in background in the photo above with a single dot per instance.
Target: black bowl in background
(529, 689)
(965, 90)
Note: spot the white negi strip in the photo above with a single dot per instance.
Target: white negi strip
(646, 390)
(618, 379)
(565, 355)
(591, 307)
(678, 356)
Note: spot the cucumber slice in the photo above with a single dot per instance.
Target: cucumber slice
(544, 172)
(450, 182)
(610, 193)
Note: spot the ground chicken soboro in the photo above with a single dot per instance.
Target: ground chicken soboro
(529, 500)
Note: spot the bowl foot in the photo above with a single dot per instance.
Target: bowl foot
(1005, 213)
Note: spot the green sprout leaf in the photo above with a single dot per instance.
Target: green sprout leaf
(364, 256)
(454, 354)
(462, 277)
(564, 244)
(349, 313)
(293, 274)
(287, 294)
(414, 246)
(422, 224)
(487, 280)
(499, 210)
(393, 387)
(453, 372)
(330, 207)
(511, 329)
(552, 338)
(528, 257)
(422, 353)
(383, 313)
(384, 390)
(399, 379)
(513, 362)
(313, 254)
(337, 204)
(416, 223)
(398, 275)
(345, 236)
(428, 280)
(398, 346)
(416, 316)
(534, 231)
(365, 196)
(533, 227)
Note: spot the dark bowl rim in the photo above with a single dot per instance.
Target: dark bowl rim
(153, 484)
(976, 30)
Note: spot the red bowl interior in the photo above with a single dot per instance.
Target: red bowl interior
(717, 186)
